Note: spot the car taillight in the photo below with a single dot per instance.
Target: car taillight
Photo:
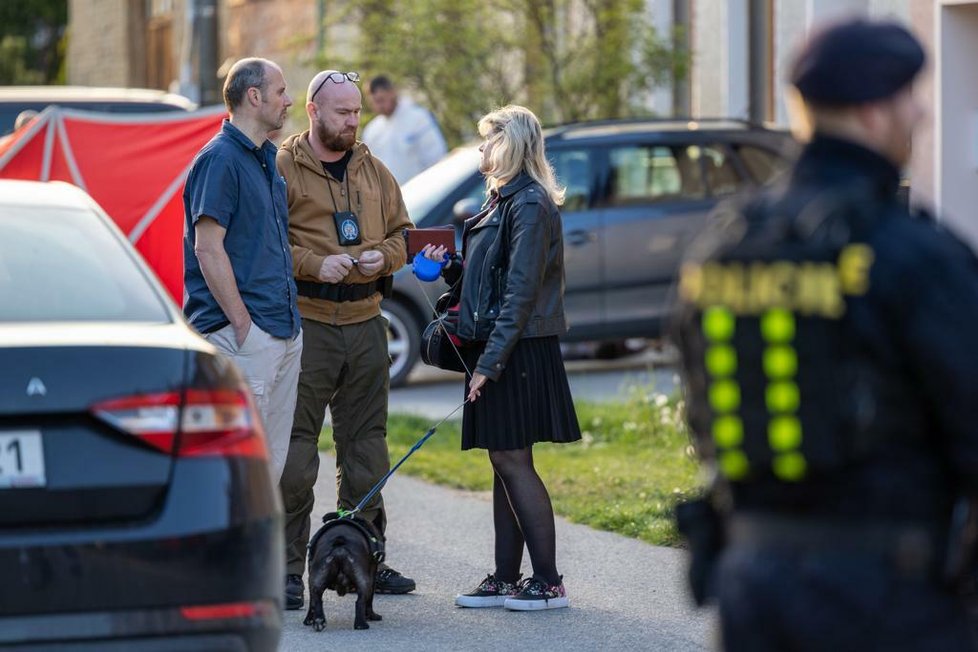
(226, 611)
(197, 422)
(221, 422)
(154, 418)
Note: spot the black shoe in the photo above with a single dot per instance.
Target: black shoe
(490, 593)
(293, 592)
(534, 595)
(390, 581)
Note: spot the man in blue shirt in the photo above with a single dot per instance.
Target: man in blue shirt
(239, 290)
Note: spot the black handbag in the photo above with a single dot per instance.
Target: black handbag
(437, 348)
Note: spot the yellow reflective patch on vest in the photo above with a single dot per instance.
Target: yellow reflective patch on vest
(724, 396)
(734, 464)
(721, 360)
(818, 291)
(855, 261)
(780, 362)
(784, 433)
(691, 282)
(728, 431)
(718, 324)
(778, 326)
(815, 288)
(790, 466)
(782, 397)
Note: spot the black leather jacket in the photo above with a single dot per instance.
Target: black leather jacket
(513, 285)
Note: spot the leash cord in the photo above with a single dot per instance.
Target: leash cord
(380, 485)
(431, 431)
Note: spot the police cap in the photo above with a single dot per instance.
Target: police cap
(855, 62)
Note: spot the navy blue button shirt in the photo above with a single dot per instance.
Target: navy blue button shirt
(235, 182)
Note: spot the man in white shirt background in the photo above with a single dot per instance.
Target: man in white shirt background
(404, 136)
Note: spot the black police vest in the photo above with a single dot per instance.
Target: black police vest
(767, 365)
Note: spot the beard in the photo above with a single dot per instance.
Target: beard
(336, 141)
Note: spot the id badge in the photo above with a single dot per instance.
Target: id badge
(347, 228)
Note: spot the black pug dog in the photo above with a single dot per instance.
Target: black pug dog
(343, 556)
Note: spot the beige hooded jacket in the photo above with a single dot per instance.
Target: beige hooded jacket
(373, 195)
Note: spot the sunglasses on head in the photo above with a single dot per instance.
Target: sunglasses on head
(336, 78)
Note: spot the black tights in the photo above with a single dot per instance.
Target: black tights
(522, 511)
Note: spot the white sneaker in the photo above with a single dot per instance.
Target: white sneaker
(535, 595)
(490, 593)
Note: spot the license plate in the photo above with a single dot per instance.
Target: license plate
(21, 459)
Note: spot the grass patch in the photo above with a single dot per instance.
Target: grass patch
(632, 466)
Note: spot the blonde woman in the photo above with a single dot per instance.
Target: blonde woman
(511, 312)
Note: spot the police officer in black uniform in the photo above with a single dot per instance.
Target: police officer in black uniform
(829, 344)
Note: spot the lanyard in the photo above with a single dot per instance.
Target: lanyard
(349, 199)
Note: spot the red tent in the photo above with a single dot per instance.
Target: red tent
(133, 165)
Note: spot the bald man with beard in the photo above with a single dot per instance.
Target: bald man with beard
(346, 218)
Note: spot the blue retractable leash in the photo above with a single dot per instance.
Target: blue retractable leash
(427, 270)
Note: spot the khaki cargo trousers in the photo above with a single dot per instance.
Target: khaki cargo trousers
(347, 369)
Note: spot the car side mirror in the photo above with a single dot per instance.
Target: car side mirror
(464, 209)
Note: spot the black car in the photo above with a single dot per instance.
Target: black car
(637, 193)
(135, 493)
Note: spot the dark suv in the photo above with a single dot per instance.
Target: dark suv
(637, 193)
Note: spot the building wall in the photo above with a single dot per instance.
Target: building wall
(922, 169)
(108, 40)
(284, 31)
(956, 114)
(896, 8)
(719, 74)
(99, 45)
(790, 25)
(660, 11)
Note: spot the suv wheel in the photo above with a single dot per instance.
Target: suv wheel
(403, 341)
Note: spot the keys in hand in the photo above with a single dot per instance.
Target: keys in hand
(370, 262)
(335, 268)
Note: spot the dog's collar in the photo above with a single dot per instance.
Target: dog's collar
(332, 519)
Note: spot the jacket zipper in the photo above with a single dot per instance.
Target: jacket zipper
(478, 298)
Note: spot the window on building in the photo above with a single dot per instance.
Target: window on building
(640, 175)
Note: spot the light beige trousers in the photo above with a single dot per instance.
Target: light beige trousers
(271, 367)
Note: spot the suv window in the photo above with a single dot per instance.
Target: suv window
(721, 173)
(761, 164)
(60, 264)
(429, 188)
(477, 191)
(574, 170)
(643, 174)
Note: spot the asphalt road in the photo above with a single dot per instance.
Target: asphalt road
(624, 594)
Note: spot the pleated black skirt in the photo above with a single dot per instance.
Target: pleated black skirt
(531, 402)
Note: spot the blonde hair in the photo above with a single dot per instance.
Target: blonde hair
(517, 146)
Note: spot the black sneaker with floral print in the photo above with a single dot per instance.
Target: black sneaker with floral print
(490, 593)
(534, 594)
